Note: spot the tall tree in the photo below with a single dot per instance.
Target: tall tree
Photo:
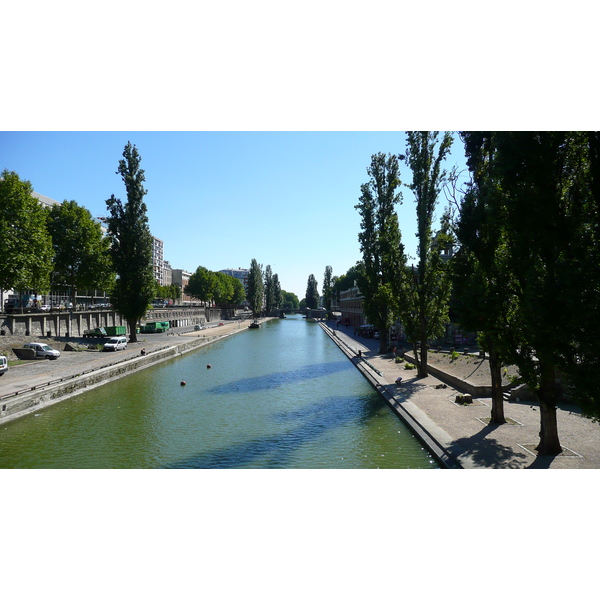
(239, 293)
(482, 281)
(269, 289)
(289, 300)
(202, 285)
(424, 310)
(131, 243)
(255, 291)
(25, 244)
(380, 244)
(312, 292)
(543, 176)
(327, 287)
(81, 251)
(276, 291)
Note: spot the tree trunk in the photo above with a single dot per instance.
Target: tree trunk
(132, 323)
(422, 372)
(417, 359)
(549, 443)
(497, 416)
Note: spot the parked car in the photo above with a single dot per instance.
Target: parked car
(43, 350)
(3, 365)
(45, 307)
(115, 343)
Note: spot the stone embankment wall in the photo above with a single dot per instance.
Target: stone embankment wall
(32, 399)
(73, 324)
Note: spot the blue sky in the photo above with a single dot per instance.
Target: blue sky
(220, 199)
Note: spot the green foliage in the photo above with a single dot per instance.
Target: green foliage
(201, 285)
(312, 292)
(255, 292)
(25, 244)
(131, 243)
(289, 300)
(81, 252)
(214, 286)
(272, 290)
(383, 260)
(239, 293)
(327, 287)
(399, 360)
(409, 366)
(530, 229)
(426, 289)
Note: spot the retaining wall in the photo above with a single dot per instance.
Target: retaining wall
(38, 397)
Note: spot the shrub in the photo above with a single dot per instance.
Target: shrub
(409, 366)
(399, 359)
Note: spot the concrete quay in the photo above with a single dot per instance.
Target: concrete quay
(460, 436)
(34, 385)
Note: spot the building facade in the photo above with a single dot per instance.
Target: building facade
(158, 263)
(351, 307)
(241, 274)
(181, 277)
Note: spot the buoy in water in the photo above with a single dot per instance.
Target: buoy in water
(182, 383)
(208, 366)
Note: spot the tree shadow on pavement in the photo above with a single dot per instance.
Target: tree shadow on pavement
(487, 453)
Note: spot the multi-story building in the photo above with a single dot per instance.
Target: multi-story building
(158, 260)
(351, 306)
(167, 273)
(181, 278)
(241, 274)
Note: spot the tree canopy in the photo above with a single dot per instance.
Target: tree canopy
(383, 258)
(312, 292)
(255, 292)
(328, 287)
(426, 290)
(131, 243)
(81, 251)
(25, 244)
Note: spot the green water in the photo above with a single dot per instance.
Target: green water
(283, 396)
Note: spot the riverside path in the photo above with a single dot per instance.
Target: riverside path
(462, 432)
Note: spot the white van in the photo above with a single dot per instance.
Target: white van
(115, 343)
(43, 350)
(3, 364)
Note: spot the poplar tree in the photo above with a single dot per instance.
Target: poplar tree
(131, 243)
(255, 291)
(482, 281)
(312, 292)
(381, 270)
(545, 188)
(327, 287)
(269, 289)
(426, 296)
(276, 291)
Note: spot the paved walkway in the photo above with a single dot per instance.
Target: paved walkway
(463, 431)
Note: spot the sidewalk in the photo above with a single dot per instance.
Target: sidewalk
(462, 431)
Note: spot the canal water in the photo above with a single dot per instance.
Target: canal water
(279, 397)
